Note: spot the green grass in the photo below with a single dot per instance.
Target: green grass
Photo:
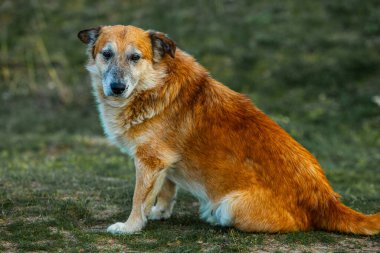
(60, 192)
(311, 65)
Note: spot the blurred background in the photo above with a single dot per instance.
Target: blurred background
(313, 66)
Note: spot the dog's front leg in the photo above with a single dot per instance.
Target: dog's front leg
(150, 175)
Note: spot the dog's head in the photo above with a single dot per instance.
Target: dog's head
(125, 59)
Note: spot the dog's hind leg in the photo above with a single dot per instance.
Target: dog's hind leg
(259, 211)
(165, 201)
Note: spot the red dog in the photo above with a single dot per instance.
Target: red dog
(183, 128)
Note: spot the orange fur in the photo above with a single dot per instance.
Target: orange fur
(192, 130)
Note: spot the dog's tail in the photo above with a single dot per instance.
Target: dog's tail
(340, 218)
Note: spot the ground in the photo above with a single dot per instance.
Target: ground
(60, 192)
(310, 65)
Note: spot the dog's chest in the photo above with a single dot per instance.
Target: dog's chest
(115, 129)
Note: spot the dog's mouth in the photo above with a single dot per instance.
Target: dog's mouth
(116, 100)
(121, 95)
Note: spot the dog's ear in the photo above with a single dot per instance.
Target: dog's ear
(89, 36)
(161, 45)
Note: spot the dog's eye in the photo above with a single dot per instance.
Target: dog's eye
(135, 57)
(107, 54)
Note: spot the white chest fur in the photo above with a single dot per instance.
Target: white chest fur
(115, 129)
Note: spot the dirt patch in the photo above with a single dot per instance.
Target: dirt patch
(350, 244)
(8, 246)
(112, 244)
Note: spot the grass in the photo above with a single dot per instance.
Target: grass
(312, 66)
(62, 191)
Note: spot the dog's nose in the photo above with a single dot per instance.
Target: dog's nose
(117, 87)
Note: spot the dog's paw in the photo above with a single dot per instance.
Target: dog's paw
(157, 213)
(122, 228)
(117, 228)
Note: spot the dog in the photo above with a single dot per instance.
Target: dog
(185, 129)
